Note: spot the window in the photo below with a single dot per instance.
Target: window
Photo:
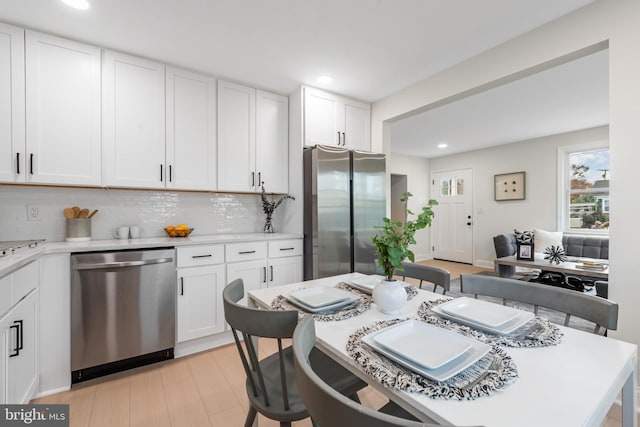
(584, 192)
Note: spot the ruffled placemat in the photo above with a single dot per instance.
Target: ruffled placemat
(363, 304)
(491, 373)
(538, 332)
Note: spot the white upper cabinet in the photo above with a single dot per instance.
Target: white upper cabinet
(253, 139)
(331, 119)
(236, 137)
(272, 136)
(133, 122)
(12, 139)
(191, 130)
(62, 111)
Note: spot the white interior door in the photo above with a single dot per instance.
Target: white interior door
(452, 227)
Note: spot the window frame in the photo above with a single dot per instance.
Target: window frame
(564, 184)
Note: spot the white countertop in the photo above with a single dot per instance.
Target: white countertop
(13, 262)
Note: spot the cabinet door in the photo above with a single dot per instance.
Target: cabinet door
(357, 125)
(283, 271)
(272, 141)
(322, 120)
(199, 310)
(133, 122)
(12, 138)
(63, 111)
(22, 362)
(236, 137)
(191, 130)
(252, 273)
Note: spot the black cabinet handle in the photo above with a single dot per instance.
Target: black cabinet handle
(202, 256)
(161, 172)
(17, 325)
(259, 178)
(182, 286)
(18, 163)
(271, 272)
(253, 179)
(264, 270)
(344, 139)
(246, 252)
(169, 173)
(338, 137)
(31, 163)
(287, 249)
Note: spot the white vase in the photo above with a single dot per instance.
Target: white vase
(389, 296)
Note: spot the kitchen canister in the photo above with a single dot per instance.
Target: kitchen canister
(78, 229)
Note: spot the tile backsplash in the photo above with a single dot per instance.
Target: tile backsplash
(208, 213)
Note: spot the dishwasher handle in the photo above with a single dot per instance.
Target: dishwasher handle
(121, 264)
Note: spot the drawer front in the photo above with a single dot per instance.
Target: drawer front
(190, 256)
(245, 251)
(284, 248)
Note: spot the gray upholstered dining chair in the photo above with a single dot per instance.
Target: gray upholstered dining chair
(271, 384)
(327, 407)
(601, 311)
(437, 276)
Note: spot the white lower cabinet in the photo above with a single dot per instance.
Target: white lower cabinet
(19, 335)
(199, 300)
(283, 271)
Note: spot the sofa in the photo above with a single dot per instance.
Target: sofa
(575, 245)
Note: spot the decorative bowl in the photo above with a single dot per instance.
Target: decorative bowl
(178, 231)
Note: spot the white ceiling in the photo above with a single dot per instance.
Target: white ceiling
(371, 48)
(569, 97)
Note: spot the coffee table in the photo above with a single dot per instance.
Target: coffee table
(571, 267)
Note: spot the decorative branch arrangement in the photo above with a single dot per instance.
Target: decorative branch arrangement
(268, 206)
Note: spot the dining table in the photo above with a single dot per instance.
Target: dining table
(572, 383)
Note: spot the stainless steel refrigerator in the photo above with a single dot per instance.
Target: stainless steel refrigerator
(344, 197)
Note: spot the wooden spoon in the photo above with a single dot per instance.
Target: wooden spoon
(93, 213)
(76, 211)
(69, 213)
(83, 213)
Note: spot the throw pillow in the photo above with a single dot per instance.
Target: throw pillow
(543, 239)
(523, 236)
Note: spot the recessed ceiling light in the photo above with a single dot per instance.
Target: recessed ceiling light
(443, 145)
(325, 80)
(77, 4)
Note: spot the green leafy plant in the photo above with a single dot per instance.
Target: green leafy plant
(393, 240)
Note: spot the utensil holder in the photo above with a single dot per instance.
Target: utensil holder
(78, 230)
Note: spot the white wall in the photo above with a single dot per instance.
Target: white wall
(417, 171)
(208, 213)
(538, 158)
(604, 21)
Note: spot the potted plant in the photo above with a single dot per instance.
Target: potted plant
(392, 248)
(268, 206)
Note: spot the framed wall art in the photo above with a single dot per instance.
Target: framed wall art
(525, 251)
(509, 186)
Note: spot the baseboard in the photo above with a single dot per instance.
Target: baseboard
(202, 344)
(423, 257)
(52, 391)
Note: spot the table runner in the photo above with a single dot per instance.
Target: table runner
(476, 381)
(282, 303)
(538, 332)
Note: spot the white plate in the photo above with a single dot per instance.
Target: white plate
(422, 344)
(443, 373)
(367, 283)
(479, 311)
(326, 308)
(504, 329)
(320, 296)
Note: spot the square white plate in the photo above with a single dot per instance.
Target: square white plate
(324, 308)
(479, 311)
(504, 329)
(320, 296)
(367, 283)
(443, 373)
(422, 344)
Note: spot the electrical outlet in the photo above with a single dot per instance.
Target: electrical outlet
(33, 213)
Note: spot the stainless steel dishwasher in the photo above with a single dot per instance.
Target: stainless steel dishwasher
(122, 310)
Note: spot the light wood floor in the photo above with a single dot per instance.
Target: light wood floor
(205, 389)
